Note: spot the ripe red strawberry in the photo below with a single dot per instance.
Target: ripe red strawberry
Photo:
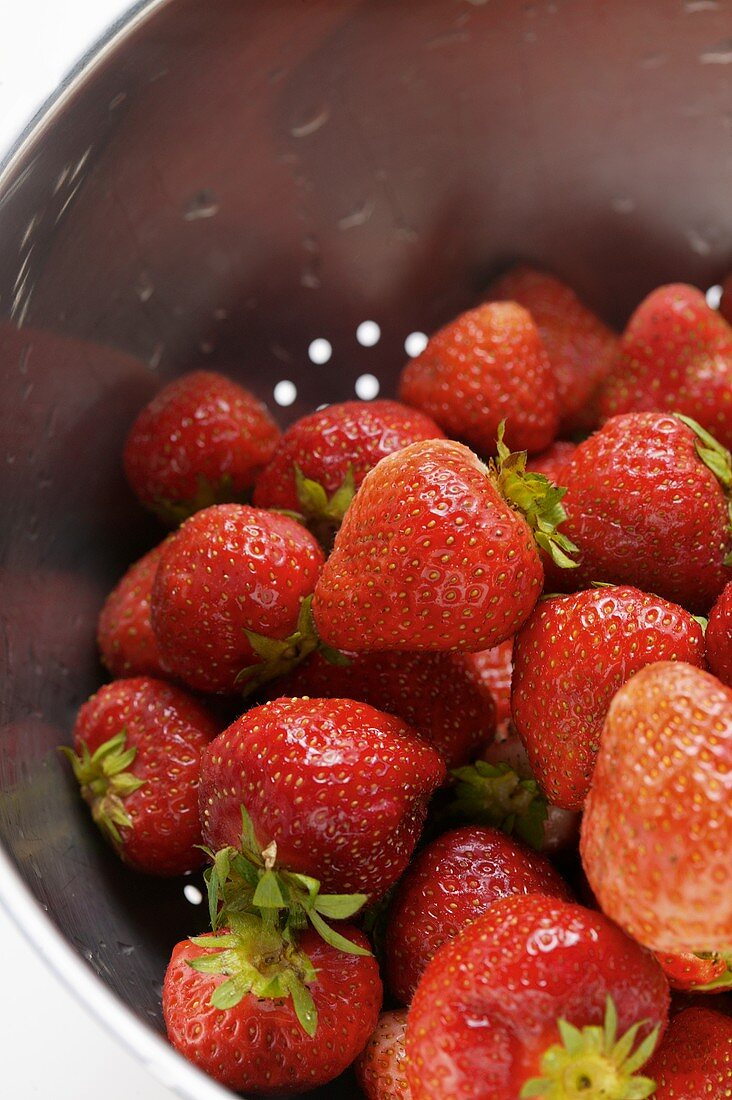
(492, 670)
(263, 1016)
(501, 790)
(433, 554)
(230, 593)
(580, 347)
(719, 637)
(675, 356)
(694, 1061)
(322, 459)
(648, 500)
(434, 693)
(202, 440)
(514, 1005)
(341, 789)
(551, 462)
(697, 973)
(125, 635)
(487, 365)
(570, 658)
(452, 881)
(138, 758)
(380, 1068)
(657, 830)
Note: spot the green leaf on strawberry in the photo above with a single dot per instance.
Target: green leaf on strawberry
(493, 794)
(106, 782)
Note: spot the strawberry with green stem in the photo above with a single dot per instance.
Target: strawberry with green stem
(321, 459)
(230, 600)
(438, 551)
(536, 997)
(137, 759)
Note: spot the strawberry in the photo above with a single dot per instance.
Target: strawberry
(322, 459)
(570, 658)
(657, 830)
(438, 551)
(138, 759)
(486, 365)
(492, 670)
(694, 1061)
(580, 347)
(675, 356)
(452, 881)
(202, 440)
(339, 787)
(501, 790)
(380, 1068)
(551, 462)
(515, 1005)
(263, 1015)
(681, 547)
(436, 694)
(231, 593)
(127, 644)
(696, 973)
(719, 637)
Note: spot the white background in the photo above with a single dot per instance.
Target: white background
(51, 1048)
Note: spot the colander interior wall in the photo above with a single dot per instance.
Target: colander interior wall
(241, 184)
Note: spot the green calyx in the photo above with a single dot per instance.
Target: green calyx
(255, 958)
(279, 656)
(593, 1064)
(106, 782)
(323, 514)
(173, 512)
(493, 794)
(538, 500)
(717, 459)
(246, 880)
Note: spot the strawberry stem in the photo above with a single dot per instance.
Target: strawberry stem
(105, 782)
(324, 514)
(536, 498)
(247, 881)
(593, 1062)
(493, 794)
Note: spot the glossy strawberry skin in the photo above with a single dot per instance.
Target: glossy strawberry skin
(657, 829)
(580, 347)
(341, 787)
(201, 426)
(429, 556)
(169, 729)
(719, 637)
(570, 658)
(127, 644)
(487, 365)
(492, 670)
(694, 1061)
(487, 1006)
(229, 568)
(434, 693)
(452, 881)
(675, 356)
(551, 463)
(258, 1046)
(675, 548)
(354, 434)
(380, 1068)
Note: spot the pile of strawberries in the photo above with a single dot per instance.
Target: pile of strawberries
(447, 663)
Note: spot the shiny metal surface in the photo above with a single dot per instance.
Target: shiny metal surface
(230, 181)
